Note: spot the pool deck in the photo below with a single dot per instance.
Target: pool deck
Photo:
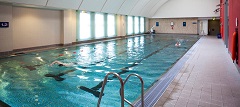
(209, 78)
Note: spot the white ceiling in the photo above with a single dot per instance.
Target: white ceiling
(146, 8)
(187, 8)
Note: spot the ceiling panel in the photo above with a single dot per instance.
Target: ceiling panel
(147, 8)
(138, 7)
(127, 6)
(112, 6)
(92, 5)
(29, 2)
(156, 7)
(68, 4)
(187, 8)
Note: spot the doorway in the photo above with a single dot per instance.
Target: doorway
(213, 27)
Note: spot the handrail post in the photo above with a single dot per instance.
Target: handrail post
(103, 86)
(122, 88)
(142, 88)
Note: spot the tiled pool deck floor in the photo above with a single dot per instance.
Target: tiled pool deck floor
(208, 79)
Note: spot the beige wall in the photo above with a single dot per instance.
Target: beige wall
(35, 27)
(164, 25)
(147, 24)
(69, 27)
(121, 25)
(6, 43)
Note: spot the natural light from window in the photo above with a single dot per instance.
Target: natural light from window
(136, 23)
(142, 25)
(99, 25)
(85, 31)
(130, 25)
(111, 25)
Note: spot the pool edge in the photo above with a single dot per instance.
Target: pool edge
(153, 94)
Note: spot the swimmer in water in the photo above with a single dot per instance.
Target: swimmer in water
(178, 44)
(63, 64)
(73, 64)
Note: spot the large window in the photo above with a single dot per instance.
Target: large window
(136, 25)
(99, 25)
(130, 25)
(85, 28)
(142, 25)
(110, 25)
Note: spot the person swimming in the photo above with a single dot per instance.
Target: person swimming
(63, 64)
(178, 44)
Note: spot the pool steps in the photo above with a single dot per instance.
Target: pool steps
(122, 88)
(142, 88)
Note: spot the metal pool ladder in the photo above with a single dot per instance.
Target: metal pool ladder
(122, 88)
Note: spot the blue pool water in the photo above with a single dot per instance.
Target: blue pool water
(23, 81)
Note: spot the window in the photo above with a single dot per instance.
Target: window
(130, 25)
(85, 32)
(136, 25)
(110, 25)
(99, 25)
(142, 24)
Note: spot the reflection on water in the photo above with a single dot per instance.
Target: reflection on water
(23, 81)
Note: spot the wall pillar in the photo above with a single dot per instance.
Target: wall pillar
(69, 27)
(92, 24)
(226, 27)
(105, 15)
(121, 25)
(146, 23)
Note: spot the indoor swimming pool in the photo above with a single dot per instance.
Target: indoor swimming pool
(29, 80)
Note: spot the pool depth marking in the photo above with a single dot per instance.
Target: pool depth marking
(58, 76)
(31, 68)
(94, 90)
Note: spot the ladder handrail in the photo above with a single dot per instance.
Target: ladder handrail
(142, 89)
(122, 88)
(103, 86)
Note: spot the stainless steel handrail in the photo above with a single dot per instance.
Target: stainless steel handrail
(121, 89)
(142, 89)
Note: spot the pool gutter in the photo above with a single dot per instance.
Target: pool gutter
(156, 91)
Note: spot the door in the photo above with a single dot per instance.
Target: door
(213, 27)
